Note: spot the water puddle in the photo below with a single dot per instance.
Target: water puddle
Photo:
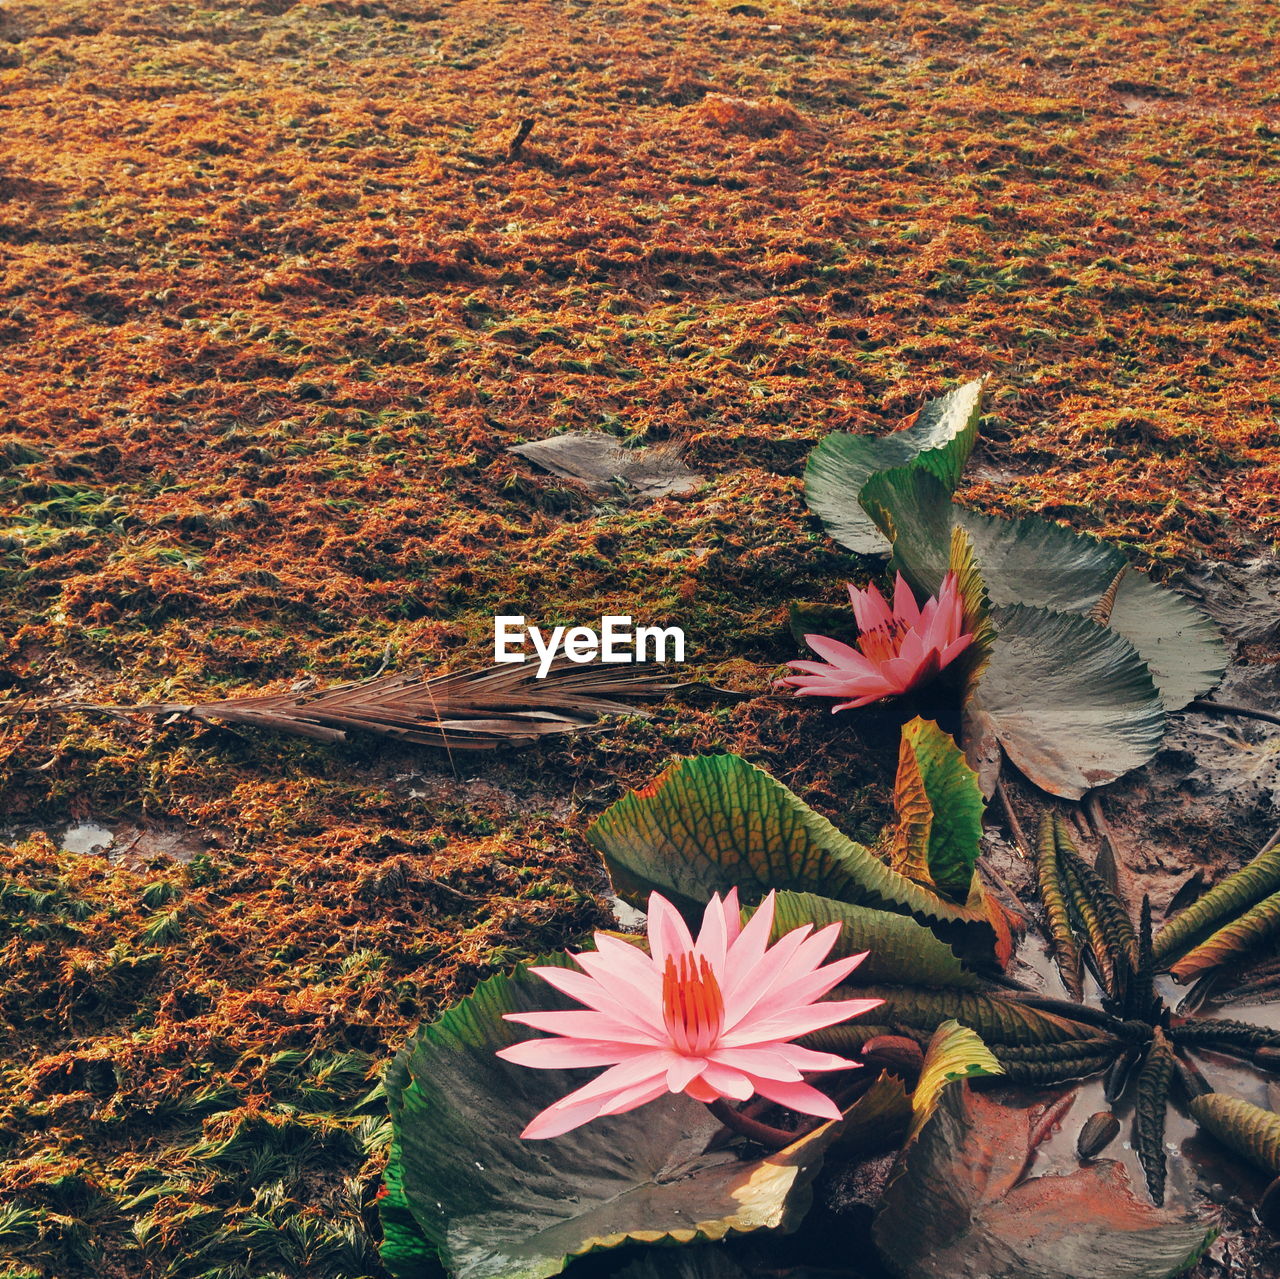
(123, 843)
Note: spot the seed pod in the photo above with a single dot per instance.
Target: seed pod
(1097, 1134)
(1268, 1058)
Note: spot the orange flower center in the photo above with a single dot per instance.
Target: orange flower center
(883, 643)
(692, 1005)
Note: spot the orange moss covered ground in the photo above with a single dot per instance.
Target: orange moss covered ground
(275, 303)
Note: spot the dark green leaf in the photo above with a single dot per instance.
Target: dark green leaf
(913, 1008)
(496, 1207)
(960, 1204)
(1049, 875)
(940, 440)
(1151, 1107)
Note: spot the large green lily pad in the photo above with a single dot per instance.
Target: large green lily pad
(940, 440)
(488, 1205)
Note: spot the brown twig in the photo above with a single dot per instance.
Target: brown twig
(986, 868)
(1108, 858)
(1229, 708)
(518, 141)
(1015, 826)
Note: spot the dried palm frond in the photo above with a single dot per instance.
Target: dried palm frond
(482, 709)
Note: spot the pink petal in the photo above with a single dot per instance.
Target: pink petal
(802, 1097)
(741, 987)
(668, 934)
(569, 1054)
(645, 1069)
(869, 608)
(904, 602)
(954, 649)
(713, 936)
(726, 1081)
(766, 1062)
(846, 660)
(631, 1098)
(586, 1025)
(777, 974)
(623, 1090)
(749, 948)
(587, 990)
(628, 972)
(797, 1022)
(783, 1062)
(682, 1071)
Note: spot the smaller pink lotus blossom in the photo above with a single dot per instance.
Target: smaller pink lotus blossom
(711, 1018)
(898, 648)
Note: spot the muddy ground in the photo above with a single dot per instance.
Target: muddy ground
(277, 300)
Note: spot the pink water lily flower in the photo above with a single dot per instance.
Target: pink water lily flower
(898, 648)
(712, 1018)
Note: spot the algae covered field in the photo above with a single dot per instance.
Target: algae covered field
(282, 285)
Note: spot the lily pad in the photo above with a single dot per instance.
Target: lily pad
(716, 822)
(491, 1206)
(940, 440)
(960, 1203)
(1035, 562)
(1071, 702)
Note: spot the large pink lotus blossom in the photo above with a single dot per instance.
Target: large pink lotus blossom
(897, 649)
(711, 1018)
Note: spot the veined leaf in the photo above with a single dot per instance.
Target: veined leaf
(1150, 1109)
(712, 823)
(998, 1021)
(1049, 875)
(495, 1207)
(1034, 562)
(1247, 1129)
(1070, 701)
(954, 1052)
(898, 948)
(1247, 887)
(1258, 924)
(1112, 941)
(940, 810)
(960, 1203)
(940, 440)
